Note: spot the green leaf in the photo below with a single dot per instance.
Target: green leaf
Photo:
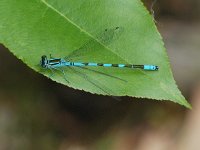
(86, 28)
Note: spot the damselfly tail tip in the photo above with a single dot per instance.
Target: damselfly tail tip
(157, 68)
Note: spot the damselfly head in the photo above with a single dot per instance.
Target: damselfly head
(43, 61)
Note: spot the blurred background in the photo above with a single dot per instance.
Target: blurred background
(37, 113)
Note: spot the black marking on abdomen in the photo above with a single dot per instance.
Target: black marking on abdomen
(128, 65)
(115, 65)
(99, 64)
(138, 66)
(86, 64)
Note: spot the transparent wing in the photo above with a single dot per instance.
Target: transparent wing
(94, 82)
(102, 73)
(104, 38)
